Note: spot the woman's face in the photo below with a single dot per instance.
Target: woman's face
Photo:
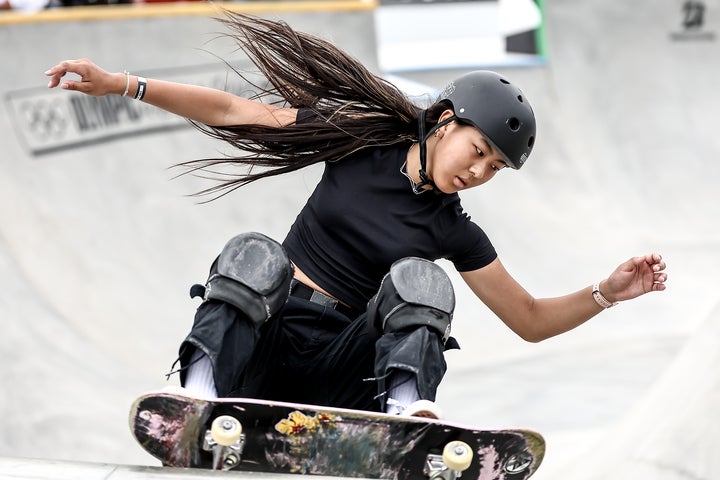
(462, 157)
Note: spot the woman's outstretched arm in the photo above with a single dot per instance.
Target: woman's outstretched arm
(201, 104)
(538, 319)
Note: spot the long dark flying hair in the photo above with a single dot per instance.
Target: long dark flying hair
(352, 108)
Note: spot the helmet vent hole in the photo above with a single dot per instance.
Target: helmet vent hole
(520, 99)
(531, 142)
(504, 81)
(514, 124)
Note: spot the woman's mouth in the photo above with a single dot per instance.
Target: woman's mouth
(459, 183)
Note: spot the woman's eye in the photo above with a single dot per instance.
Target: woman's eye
(480, 152)
(495, 168)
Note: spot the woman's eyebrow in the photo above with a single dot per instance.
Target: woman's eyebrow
(488, 148)
(485, 145)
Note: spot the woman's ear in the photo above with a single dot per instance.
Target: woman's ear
(446, 114)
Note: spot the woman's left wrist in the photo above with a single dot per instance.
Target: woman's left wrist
(605, 301)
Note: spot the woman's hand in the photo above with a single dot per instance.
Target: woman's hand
(637, 276)
(93, 80)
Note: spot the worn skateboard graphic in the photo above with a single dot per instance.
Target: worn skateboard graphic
(266, 436)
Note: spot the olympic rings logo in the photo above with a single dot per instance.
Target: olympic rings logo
(44, 119)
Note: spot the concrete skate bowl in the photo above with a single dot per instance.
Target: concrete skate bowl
(98, 244)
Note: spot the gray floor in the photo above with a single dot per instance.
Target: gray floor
(98, 246)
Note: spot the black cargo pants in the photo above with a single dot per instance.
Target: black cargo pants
(311, 353)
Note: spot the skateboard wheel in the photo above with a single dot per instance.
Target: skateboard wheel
(226, 430)
(457, 456)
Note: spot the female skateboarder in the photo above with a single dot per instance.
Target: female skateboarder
(350, 310)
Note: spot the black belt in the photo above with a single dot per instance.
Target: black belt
(300, 290)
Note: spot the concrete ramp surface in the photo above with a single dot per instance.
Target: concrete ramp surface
(670, 433)
(12, 468)
(99, 244)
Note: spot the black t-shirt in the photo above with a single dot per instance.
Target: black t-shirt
(364, 215)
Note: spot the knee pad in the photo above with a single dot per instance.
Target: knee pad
(416, 292)
(253, 274)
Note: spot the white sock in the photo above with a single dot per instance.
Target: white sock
(402, 392)
(200, 380)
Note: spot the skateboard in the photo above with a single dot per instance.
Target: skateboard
(268, 436)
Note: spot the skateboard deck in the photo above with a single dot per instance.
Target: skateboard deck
(269, 436)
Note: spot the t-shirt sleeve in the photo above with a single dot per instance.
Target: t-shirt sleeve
(470, 245)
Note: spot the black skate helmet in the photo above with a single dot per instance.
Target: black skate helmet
(498, 109)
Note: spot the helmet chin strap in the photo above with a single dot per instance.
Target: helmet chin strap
(422, 137)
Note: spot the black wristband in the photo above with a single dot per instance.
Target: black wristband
(142, 88)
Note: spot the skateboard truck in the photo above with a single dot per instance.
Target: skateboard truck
(455, 459)
(226, 441)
